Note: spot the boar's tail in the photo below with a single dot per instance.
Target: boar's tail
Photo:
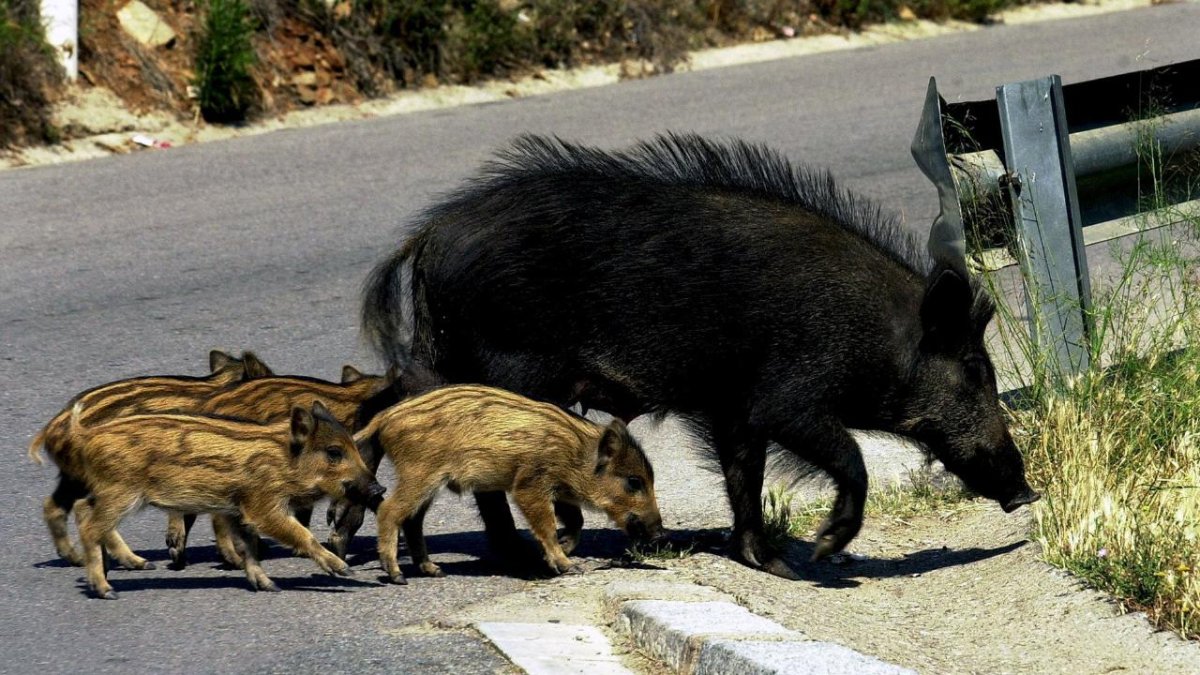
(35, 446)
(394, 304)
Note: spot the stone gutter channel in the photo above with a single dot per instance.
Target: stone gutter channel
(688, 628)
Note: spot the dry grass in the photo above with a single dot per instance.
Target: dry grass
(1116, 451)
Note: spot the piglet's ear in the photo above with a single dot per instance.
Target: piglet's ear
(610, 441)
(946, 309)
(219, 361)
(254, 366)
(303, 426)
(350, 374)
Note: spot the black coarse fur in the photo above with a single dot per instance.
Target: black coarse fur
(714, 280)
(670, 161)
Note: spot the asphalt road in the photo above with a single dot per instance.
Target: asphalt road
(140, 264)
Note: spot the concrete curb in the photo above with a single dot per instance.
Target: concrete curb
(706, 636)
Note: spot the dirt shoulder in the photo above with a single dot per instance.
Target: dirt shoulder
(96, 123)
(961, 593)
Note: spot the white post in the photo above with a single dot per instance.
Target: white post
(61, 18)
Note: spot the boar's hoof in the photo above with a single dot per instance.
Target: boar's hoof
(777, 567)
(72, 556)
(568, 540)
(431, 570)
(337, 545)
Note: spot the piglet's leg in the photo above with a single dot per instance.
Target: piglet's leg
(536, 505)
(571, 517)
(105, 510)
(397, 508)
(276, 522)
(178, 527)
(228, 536)
(414, 536)
(233, 529)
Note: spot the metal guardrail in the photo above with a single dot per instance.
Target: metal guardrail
(1054, 157)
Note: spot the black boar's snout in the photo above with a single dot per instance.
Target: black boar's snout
(1026, 496)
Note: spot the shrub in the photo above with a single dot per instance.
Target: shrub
(224, 56)
(29, 75)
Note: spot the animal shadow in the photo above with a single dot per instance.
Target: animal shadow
(844, 572)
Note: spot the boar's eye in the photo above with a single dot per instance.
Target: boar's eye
(335, 454)
(634, 484)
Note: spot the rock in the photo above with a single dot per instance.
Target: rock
(305, 78)
(96, 110)
(144, 25)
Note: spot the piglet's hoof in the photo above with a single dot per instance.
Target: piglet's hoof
(110, 594)
(399, 580)
(149, 566)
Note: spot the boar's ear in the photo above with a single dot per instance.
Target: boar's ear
(254, 366)
(610, 441)
(219, 360)
(319, 410)
(946, 309)
(350, 374)
(303, 426)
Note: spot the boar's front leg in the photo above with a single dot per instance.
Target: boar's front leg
(275, 520)
(534, 501)
(827, 445)
(247, 551)
(743, 460)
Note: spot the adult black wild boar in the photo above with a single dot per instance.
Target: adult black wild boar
(714, 280)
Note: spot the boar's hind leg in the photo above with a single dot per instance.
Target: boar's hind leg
(56, 510)
(571, 517)
(414, 536)
(743, 461)
(400, 507)
(233, 541)
(827, 445)
(96, 523)
(179, 525)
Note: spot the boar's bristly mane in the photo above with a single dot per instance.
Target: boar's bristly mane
(718, 166)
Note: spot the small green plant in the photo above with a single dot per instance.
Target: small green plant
(922, 493)
(665, 551)
(224, 58)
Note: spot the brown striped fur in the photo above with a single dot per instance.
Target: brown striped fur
(106, 402)
(475, 438)
(245, 473)
(267, 400)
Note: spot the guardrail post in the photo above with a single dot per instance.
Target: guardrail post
(61, 18)
(1046, 213)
